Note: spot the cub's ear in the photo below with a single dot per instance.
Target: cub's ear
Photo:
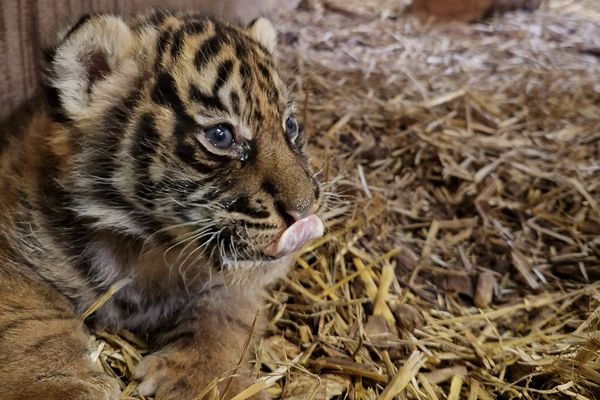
(262, 30)
(93, 61)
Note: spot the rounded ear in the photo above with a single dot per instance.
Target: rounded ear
(95, 48)
(262, 30)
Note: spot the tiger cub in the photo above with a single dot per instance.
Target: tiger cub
(166, 155)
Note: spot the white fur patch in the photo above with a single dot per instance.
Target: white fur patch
(106, 35)
(263, 31)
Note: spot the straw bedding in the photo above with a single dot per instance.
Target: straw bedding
(463, 247)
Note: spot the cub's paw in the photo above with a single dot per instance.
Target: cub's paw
(169, 377)
(174, 376)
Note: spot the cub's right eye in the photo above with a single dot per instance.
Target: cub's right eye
(220, 136)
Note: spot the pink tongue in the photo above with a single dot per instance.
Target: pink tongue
(296, 236)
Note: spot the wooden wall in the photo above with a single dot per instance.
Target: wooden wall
(26, 26)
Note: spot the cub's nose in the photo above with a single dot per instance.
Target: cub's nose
(293, 201)
(290, 216)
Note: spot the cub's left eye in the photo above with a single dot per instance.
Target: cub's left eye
(291, 128)
(220, 136)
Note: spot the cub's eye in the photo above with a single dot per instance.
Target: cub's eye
(220, 136)
(291, 128)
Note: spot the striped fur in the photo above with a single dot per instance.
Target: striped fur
(117, 175)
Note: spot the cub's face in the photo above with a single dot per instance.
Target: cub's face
(182, 133)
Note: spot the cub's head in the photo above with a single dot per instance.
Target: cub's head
(181, 132)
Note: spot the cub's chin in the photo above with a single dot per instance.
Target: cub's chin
(257, 273)
(265, 262)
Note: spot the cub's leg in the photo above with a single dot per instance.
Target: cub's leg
(215, 343)
(43, 347)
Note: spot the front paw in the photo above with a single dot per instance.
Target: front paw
(173, 376)
(162, 377)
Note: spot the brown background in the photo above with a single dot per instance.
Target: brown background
(26, 26)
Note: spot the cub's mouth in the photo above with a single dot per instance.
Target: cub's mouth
(291, 240)
(295, 237)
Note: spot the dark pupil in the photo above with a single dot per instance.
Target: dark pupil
(291, 126)
(220, 136)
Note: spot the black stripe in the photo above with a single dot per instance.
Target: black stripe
(177, 45)
(223, 74)
(242, 205)
(120, 114)
(258, 117)
(223, 187)
(103, 165)
(151, 226)
(194, 27)
(112, 197)
(241, 46)
(161, 47)
(165, 93)
(234, 99)
(273, 95)
(206, 100)
(264, 52)
(209, 48)
(145, 145)
(158, 17)
(245, 71)
(181, 211)
(187, 153)
(265, 72)
(72, 232)
(183, 189)
(258, 225)
(267, 84)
